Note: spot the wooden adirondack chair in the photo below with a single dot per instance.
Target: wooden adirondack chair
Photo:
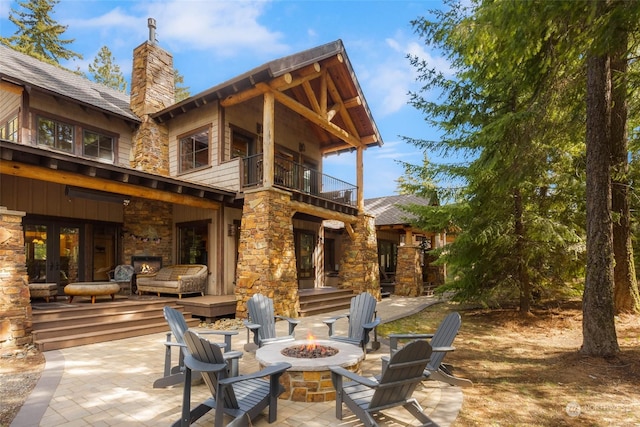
(395, 386)
(262, 321)
(242, 397)
(175, 374)
(442, 338)
(362, 320)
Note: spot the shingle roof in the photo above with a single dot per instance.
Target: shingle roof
(386, 209)
(23, 69)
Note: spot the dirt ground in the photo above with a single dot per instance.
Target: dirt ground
(19, 374)
(526, 371)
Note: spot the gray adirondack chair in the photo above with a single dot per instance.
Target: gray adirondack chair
(362, 320)
(394, 387)
(442, 338)
(242, 397)
(173, 375)
(262, 321)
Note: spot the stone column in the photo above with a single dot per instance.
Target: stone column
(15, 300)
(152, 90)
(409, 271)
(267, 260)
(359, 269)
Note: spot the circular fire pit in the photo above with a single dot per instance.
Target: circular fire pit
(309, 378)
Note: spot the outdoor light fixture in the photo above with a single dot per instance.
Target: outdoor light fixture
(100, 196)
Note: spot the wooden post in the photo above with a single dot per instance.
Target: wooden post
(268, 144)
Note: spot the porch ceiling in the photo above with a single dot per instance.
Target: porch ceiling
(45, 165)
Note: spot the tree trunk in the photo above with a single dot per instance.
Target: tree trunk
(598, 327)
(522, 273)
(626, 298)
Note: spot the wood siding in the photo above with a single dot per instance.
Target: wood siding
(45, 198)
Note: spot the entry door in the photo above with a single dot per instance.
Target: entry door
(52, 252)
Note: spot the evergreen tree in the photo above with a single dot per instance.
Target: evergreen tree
(181, 91)
(104, 70)
(520, 231)
(38, 33)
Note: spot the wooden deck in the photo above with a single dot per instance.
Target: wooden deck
(62, 324)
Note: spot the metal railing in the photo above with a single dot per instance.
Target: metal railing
(298, 177)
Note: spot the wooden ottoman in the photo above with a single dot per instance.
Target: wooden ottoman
(44, 290)
(91, 289)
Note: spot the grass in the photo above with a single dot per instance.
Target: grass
(527, 371)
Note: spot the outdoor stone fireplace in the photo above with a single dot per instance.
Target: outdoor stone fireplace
(309, 378)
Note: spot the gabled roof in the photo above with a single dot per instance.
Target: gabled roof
(387, 211)
(27, 71)
(297, 80)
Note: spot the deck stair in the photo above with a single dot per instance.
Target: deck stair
(84, 323)
(323, 300)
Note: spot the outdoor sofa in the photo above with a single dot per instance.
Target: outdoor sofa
(176, 279)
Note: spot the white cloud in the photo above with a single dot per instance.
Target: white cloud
(229, 28)
(226, 28)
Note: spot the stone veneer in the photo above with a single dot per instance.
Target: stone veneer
(266, 260)
(409, 272)
(147, 230)
(15, 302)
(152, 90)
(359, 269)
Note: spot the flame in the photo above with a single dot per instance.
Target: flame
(311, 342)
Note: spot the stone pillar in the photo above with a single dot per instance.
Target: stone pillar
(147, 230)
(267, 259)
(409, 271)
(152, 90)
(359, 269)
(15, 300)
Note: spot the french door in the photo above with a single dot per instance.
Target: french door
(52, 252)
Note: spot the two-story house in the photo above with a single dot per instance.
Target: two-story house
(231, 177)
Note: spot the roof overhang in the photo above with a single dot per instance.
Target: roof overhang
(51, 166)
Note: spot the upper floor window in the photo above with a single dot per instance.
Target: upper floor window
(98, 145)
(9, 129)
(194, 151)
(55, 134)
(242, 144)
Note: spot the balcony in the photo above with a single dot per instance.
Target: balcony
(306, 184)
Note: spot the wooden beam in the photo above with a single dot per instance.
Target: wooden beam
(78, 180)
(350, 231)
(333, 90)
(360, 179)
(314, 117)
(279, 82)
(311, 96)
(322, 212)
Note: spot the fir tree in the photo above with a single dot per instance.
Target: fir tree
(38, 34)
(104, 70)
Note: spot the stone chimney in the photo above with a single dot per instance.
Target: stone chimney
(152, 90)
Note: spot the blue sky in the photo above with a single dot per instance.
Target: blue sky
(212, 41)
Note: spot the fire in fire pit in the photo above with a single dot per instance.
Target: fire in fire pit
(310, 350)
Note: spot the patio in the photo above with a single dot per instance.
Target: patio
(111, 384)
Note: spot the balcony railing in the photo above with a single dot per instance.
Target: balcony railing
(300, 178)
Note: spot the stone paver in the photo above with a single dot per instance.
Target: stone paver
(110, 384)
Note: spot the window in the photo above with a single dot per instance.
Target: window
(194, 151)
(242, 145)
(98, 145)
(55, 134)
(388, 253)
(305, 247)
(192, 242)
(9, 129)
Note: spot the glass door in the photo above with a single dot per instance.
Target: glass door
(52, 253)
